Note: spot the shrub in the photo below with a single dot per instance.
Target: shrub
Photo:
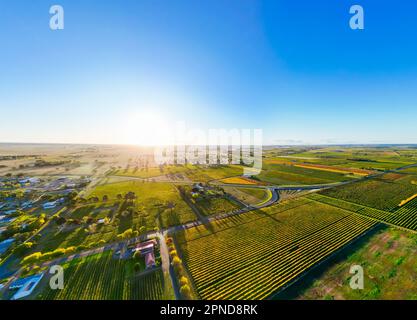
(185, 291)
(32, 258)
(183, 281)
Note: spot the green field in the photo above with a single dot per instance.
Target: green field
(284, 174)
(151, 209)
(152, 172)
(349, 157)
(250, 196)
(215, 206)
(197, 173)
(256, 255)
(375, 193)
(388, 258)
(151, 202)
(404, 217)
(101, 277)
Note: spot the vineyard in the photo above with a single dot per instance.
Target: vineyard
(289, 175)
(259, 256)
(405, 216)
(376, 193)
(101, 277)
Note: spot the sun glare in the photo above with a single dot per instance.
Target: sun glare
(147, 129)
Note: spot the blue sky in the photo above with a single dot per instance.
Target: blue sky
(292, 68)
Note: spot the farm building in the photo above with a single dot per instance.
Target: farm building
(53, 204)
(32, 181)
(27, 204)
(49, 205)
(145, 247)
(146, 250)
(150, 260)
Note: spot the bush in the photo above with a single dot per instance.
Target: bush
(32, 258)
(23, 248)
(183, 281)
(137, 267)
(185, 291)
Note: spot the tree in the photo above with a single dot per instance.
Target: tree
(137, 267)
(183, 281)
(32, 258)
(170, 205)
(185, 291)
(23, 248)
(137, 255)
(176, 262)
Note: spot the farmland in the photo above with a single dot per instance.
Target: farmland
(404, 217)
(221, 249)
(181, 172)
(100, 277)
(284, 174)
(376, 193)
(251, 196)
(277, 249)
(388, 259)
(151, 203)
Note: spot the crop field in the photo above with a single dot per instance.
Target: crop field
(197, 173)
(215, 172)
(101, 277)
(238, 180)
(322, 167)
(375, 193)
(405, 216)
(352, 158)
(151, 172)
(258, 257)
(410, 170)
(289, 174)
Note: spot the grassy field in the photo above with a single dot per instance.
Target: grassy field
(208, 173)
(151, 202)
(151, 172)
(388, 258)
(286, 174)
(149, 210)
(101, 277)
(197, 173)
(250, 196)
(239, 180)
(255, 255)
(215, 206)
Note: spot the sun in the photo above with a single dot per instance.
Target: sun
(147, 129)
